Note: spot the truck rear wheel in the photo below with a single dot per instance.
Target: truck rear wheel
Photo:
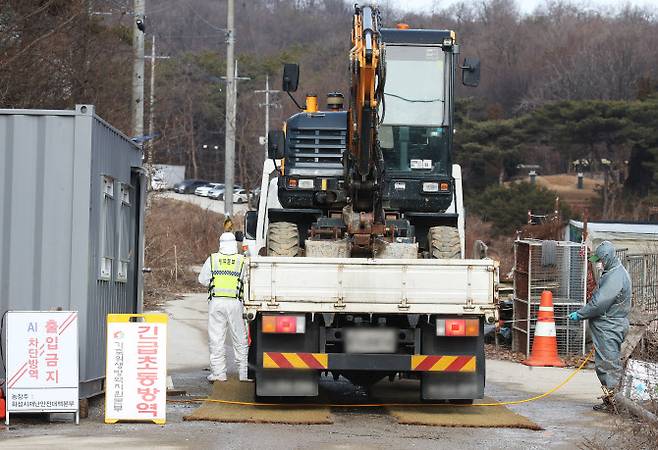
(282, 239)
(444, 243)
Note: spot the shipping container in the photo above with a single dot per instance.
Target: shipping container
(72, 201)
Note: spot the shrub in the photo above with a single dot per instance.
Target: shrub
(506, 207)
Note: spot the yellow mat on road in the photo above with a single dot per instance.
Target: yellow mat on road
(446, 415)
(234, 390)
(462, 416)
(320, 412)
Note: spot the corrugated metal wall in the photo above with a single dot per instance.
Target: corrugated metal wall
(55, 166)
(111, 163)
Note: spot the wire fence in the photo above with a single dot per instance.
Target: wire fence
(643, 270)
(640, 380)
(555, 266)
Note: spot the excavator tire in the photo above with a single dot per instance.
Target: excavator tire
(444, 243)
(282, 239)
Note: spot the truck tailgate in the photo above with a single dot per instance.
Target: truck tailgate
(371, 285)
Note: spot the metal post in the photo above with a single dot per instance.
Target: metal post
(138, 68)
(267, 110)
(267, 91)
(151, 145)
(151, 116)
(229, 151)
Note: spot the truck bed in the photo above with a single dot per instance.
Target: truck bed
(359, 285)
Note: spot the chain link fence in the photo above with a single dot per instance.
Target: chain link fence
(640, 380)
(556, 266)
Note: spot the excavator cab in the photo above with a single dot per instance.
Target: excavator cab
(415, 134)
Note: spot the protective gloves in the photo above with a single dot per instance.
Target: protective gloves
(574, 316)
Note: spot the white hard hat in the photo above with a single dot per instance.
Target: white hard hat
(227, 244)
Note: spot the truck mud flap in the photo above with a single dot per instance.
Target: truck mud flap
(446, 385)
(287, 382)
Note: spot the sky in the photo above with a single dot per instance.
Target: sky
(525, 6)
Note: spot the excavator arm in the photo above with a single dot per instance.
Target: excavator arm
(367, 63)
(364, 214)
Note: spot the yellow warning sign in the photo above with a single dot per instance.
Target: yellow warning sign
(136, 368)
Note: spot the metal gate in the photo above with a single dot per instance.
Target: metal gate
(556, 266)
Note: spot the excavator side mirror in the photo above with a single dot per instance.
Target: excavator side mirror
(276, 144)
(290, 77)
(471, 72)
(250, 224)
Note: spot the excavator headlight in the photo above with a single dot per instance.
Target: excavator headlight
(306, 184)
(430, 187)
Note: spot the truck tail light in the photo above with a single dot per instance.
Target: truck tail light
(457, 327)
(284, 324)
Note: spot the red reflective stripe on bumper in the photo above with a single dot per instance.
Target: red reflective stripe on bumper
(457, 364)
(280, 360)
(427, 363)
(310, 360)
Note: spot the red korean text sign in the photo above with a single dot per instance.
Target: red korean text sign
(136, 368)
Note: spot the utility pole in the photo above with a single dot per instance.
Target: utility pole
(149, 158)
(229, 150)
(267, 91)
(151, 101)
(138, 68)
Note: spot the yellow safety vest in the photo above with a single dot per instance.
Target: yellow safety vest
(226, 270)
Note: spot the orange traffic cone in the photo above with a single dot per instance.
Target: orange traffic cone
(544, 345)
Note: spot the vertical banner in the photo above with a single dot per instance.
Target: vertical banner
(136, 368)
(42, 362)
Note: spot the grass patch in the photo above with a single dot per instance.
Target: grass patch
(179, 235)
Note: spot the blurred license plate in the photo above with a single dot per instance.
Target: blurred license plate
(370, 340)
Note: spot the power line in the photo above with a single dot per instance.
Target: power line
(203, 19)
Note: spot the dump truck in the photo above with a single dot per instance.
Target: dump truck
(357, 264)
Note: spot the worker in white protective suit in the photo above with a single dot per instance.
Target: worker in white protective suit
(222, 273)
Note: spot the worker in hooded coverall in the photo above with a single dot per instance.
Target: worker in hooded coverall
(607, 312)
(222, 273)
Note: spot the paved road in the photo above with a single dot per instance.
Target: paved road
(204, 202)
(566, 416)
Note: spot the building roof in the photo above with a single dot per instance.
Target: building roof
(636, 238)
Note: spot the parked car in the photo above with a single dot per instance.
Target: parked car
(217, 192)
(239, 196)
(188, 186)
(203, 191)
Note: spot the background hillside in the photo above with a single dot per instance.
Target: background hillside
(563, 84)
